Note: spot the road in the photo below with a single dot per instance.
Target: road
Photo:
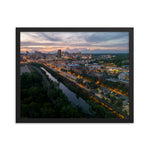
(95, 96)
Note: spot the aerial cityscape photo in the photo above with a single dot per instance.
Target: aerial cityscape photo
(74, 75)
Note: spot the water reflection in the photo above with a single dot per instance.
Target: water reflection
(75, 100)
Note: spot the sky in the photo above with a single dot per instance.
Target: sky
(84, 42)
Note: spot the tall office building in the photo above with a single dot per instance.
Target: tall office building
(59, 53)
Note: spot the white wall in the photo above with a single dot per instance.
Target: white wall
(67, 13)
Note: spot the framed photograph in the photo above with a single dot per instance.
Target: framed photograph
(74, 75)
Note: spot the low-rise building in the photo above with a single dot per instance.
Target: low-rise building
(123, 76)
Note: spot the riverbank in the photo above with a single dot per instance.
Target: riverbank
(72, 96)
(36, 103)
(86, 94)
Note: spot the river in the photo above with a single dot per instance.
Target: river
(75, 101)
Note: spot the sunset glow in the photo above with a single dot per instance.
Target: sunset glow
(85, 42)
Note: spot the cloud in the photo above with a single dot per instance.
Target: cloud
(50, 36)
(106, 51)
(28, 43)
(106, 36)
(40, 36)
(75, 41)
(94, 51)
(80, 44)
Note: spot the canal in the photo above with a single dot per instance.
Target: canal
(75, 101)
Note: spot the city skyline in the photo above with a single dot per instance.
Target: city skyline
(84, 42)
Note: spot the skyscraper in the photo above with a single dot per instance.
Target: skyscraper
(59, 53)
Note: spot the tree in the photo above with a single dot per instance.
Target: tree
(34, 110)
(79, 80)
(47, 111)
(119, 103)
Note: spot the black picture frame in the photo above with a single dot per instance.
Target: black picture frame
(130, 119)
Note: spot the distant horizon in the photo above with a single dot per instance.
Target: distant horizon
(72, 42)
(76, 52)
